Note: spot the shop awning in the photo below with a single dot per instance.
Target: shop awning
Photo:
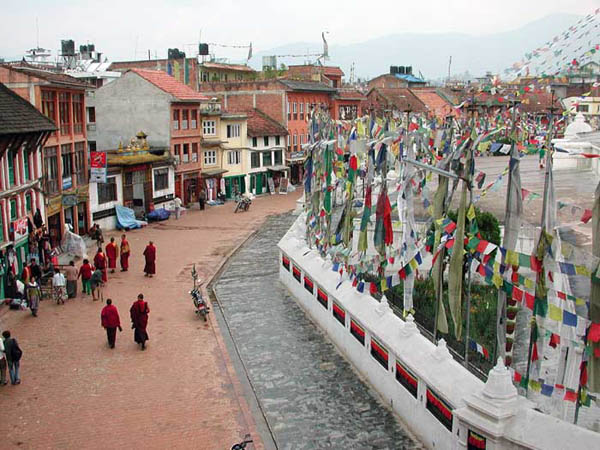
(277, 168)
(207, 173)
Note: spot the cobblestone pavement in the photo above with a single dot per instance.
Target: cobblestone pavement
(182, 392)
(310, 395)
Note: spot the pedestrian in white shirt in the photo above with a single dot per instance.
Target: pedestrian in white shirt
(59, 282)
(177, 202)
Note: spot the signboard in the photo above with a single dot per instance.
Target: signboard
(97, 167)
(271, 185)
(297, 155)
(69, 200)
(19, 228)
(67, 183)
(283, 185)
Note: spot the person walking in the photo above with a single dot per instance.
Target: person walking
(33, 294)
(202, 198)
(3, 364)
(100, 263)
(125, 250)
(96, 285)
(13, 354)
(150, 255)
(177, 203)
(71, 274)
(35, 270)
(110, 321)
(112, 252)
(59, 284)
(85, 272)
(139, 320)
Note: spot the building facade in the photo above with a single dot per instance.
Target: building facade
(23, 133)
(61, 98)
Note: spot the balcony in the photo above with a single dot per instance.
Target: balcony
(91, 126)
(78, 128)
(210, 108)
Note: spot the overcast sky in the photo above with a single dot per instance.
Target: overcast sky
(126, 29)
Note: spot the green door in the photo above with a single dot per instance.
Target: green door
(259, 183)
(228, 183)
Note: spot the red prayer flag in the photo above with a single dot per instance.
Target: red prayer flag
(594, 333)
(529, 300)
(536, 264)
(570, 396)
(517, 294)
(534, 353)
(587, 215)
(517, 377)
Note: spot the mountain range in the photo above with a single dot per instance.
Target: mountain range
(429, 53)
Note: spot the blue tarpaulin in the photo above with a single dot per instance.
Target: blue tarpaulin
(158, 214)
(126, 219)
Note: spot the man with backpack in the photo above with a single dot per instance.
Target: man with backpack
(13, 355)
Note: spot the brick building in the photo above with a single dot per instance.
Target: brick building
(390, 100)
(62, 99)
(436, 102)
(348, 104)
(330, 75)
(169, 111)
(23, 132)
(289, 102)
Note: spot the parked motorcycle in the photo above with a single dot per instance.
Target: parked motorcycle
(202, 308)
(243, 204)
(242, 445)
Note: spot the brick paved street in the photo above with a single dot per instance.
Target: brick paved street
(311, 396)
(180, 393)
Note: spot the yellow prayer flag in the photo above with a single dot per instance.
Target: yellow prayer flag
(497, 280)
(580, 301)
(555, 313)
(413, 263)
(360, 128)
(471, 213)
(512, 258)
(529, 283)
(582, 270)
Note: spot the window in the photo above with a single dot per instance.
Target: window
(307, 109)
(194, 152)
(277, 140)
(233, 130)
(209, 127)
(194, 119)
(277, 154)
(254, 160)
(176, 119)
(266, 158)
(28, 202)
(80, 158)
(295, 142)
(186, 153)
(301, 140)
(185, 116)
(254, 142)
(92, 146)
(161, 179)
(11, 168)
(289, 140)
(107, 192)
(67, 160)
(51, 169)
(233, 157)
(301, 111)
(288, 111)
(48, 104)
(295, 111)
(77, 113)
(13, 209)
(63, 110)
(26, 166)
(176, 151)
(210, 157)
(266, 141)
(91, 113)
(583, 108)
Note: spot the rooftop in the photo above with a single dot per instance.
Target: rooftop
(47, 75)
(350, 94)
(401, 98)
(307, 86)
(409, 78)
(169, 84)
(222, 66)
(260, 124)
(17, 115)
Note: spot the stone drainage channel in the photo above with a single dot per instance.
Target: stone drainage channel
(303, 394)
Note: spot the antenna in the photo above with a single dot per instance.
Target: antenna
(449, 65)
(37, 32)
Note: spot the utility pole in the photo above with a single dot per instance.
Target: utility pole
(449, 65)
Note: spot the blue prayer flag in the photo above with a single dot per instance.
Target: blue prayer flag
(569, 319)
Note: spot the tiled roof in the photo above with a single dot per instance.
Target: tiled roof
(332, 70)
(169, 84)
(350, 94)
(434, 102)
(238, 67)
(49, 76)
(307, 86)
(17, 115)
(402, 98)
(260, 124)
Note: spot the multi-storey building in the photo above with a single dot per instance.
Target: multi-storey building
(23, 132)
(169, 111)
(65, 168)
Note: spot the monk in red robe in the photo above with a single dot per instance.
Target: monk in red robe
(111, 253)
(139, 318)
(150, 255)
(109, 318)
(100, 263)
(125, 251)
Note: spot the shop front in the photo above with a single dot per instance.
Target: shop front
(296, 166)
(211, 182)
(191, 187)
(69, 208)
(235, 184)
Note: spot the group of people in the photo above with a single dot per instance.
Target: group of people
(110, 321)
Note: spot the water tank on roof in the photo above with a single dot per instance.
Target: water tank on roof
(67, 47)
(408, 70)
(393, 70)
(203, 49)
(174, 53)
(91, 47)
(401, 70)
